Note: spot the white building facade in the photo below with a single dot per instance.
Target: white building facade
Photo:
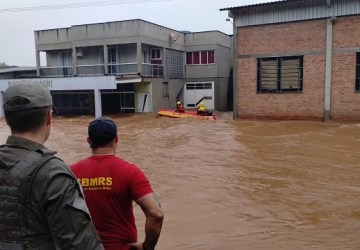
(131, 66)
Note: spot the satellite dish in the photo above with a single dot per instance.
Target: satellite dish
(173, 37)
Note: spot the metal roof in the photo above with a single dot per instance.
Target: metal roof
(292, 10)
(260, 4)
(17, 69)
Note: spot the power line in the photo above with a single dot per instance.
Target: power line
(78, 5)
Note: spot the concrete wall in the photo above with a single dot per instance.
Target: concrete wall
(161, 102)
(92, 56)
(111, 33)
(213, 40)
(306, 38)
(222, 94)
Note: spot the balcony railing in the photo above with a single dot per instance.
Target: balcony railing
(122, 69)
(152, 70)
(148, 70)
(90, 70)
(56, 71)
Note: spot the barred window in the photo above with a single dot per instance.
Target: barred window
(280, 74)
(357, 79)
(165, 89)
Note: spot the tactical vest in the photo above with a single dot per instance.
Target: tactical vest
(15, 194)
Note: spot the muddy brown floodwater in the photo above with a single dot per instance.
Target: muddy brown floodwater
(228, 184)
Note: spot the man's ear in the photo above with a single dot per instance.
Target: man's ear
(116, 139)
(49, 117)
(89, 141)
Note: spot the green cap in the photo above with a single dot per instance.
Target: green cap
(26, 96)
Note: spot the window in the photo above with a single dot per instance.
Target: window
(196, 57)
(357, 79)
(200, 57)
(165, 89)
(145, 57)
(155, 54)
(280, 74)
(201, 85)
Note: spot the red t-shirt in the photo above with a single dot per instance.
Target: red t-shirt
(111, 185)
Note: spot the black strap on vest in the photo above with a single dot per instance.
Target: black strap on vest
(23, 172)
(30, 162)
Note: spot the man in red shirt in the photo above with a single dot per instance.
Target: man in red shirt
(111, 184)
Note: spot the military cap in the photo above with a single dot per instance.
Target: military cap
(20, 97)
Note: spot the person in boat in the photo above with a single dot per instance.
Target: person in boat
(180, 108)
(202, 110)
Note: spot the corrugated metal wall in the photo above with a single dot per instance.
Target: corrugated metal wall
(278, 12)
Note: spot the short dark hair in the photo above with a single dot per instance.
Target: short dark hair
(26, 120)
(102, 131)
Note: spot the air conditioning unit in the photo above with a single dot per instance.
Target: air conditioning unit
(80, 52)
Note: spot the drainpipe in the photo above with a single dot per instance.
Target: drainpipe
(328, 65)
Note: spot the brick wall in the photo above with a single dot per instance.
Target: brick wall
(345, 102)
(306, 38)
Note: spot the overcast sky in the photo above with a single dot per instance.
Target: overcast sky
(17, 27)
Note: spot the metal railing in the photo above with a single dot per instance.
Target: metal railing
(152, 70)
(60, 71)
(122, 68)
(90, 70)
(148, 70)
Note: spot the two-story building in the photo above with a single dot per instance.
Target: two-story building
(131, 66)
(297, 59)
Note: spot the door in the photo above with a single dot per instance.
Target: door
(196, 92)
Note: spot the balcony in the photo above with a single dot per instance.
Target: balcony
(122, 69)
(64, 71)
(152, 70)
(90, 70)
(148, 70)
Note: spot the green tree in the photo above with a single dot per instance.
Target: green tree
(5, 66)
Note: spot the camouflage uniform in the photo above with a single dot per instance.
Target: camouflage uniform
(42, 206)
(56, 216)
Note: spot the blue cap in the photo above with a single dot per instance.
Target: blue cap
(101, 131)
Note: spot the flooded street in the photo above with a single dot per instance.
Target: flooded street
(228, 184)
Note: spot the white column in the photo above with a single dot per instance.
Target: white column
(97, 99)
(74, 58)
(139, 57)
(38, 63)
(106, 59)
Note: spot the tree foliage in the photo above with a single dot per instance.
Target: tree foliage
(5, 66)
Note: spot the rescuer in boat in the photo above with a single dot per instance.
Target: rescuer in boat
(180, 108)
(202, 110)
